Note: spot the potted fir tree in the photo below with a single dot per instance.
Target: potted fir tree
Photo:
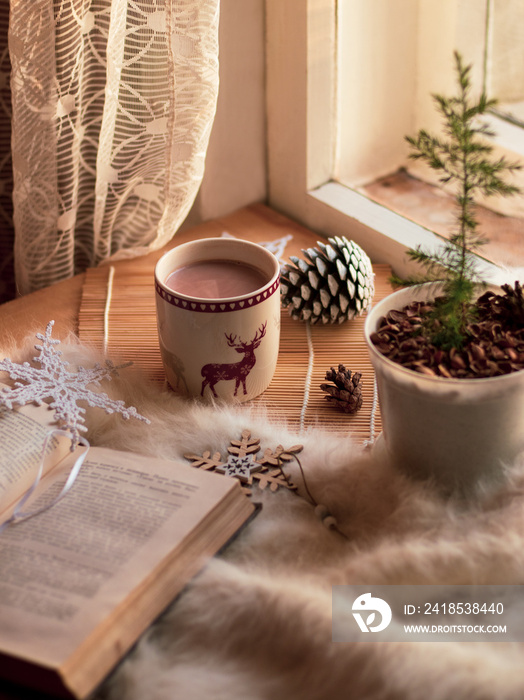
(448, 355)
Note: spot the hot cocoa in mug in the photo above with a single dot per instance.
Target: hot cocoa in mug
(216, 279)
(218, 317)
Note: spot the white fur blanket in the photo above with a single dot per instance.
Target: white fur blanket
(256, 623)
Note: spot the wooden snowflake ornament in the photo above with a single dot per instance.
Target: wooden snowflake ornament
(243, 464)
(206, 462)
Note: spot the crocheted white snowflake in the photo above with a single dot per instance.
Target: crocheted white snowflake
(52, 380)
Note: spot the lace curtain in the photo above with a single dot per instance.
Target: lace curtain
(7, 235)
(112, 107)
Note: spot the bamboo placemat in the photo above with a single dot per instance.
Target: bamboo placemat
(117, 314)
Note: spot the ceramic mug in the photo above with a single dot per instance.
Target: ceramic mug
(222, 347)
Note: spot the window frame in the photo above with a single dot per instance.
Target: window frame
(301, 98)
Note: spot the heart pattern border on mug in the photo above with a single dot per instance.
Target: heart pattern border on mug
(217, 307)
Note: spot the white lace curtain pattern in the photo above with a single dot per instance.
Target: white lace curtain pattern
(112, 107)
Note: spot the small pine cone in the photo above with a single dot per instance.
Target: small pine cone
(512, 304)
(346, 391)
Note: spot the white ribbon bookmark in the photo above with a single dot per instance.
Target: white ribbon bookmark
(18, 514)
(53, 380)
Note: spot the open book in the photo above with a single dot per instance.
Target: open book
(82, 580)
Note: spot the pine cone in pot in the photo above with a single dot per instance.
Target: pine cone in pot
(331, 284)
(346, 391)
(511, 305)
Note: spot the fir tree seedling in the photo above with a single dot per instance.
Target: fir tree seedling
(463, 161)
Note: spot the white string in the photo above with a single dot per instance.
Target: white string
(18, 515)
(109, 295)
(371, 441)
(309, 374)
(374, 407)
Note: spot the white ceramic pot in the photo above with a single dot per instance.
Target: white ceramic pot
(458, 432)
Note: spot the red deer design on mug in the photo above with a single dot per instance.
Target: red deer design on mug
(238, 371)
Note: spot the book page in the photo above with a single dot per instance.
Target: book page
(66, 570)
(22, 435)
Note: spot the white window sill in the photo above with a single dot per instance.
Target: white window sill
(397, 233)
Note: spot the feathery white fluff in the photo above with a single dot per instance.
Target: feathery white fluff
(256, 622)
